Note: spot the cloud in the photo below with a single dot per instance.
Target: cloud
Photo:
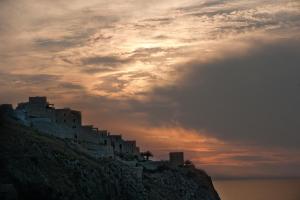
(202, 5)
(119, 62)
(97, 69)
(104, 60)
(64, 42)
(251, 98)
(28, 79)
(37, 84)
(159, 21)
(70, 86)
(110, 84)
(242, 17)
(251, 158)
(49, 44)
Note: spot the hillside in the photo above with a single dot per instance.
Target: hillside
(36, 166)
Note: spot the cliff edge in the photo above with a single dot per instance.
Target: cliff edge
(37, 166)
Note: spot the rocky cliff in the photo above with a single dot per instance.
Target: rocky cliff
(35, 166)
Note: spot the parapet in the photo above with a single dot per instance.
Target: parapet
(38, 100)
(116, 137)
(103, 132)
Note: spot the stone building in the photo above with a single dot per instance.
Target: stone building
(68, 117)
(37, 113)
(67, 124)
(104, 139)
(117, 143)
(41, 115)
(121, 146)
(94, 141)
(38, 107)
(176, 158)
(130, 147)
(88, 134)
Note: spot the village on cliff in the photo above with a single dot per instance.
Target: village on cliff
(66, 123)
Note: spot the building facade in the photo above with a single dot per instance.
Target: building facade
(67, 123)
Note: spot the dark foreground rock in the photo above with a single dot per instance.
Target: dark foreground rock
(35, 166)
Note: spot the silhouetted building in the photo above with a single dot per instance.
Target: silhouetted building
(67, 124)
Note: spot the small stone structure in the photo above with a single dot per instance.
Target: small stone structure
(176, 158)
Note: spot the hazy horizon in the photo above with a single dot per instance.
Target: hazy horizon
(217, 79)
(258, 189)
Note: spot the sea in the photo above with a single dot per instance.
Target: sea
(266, 189)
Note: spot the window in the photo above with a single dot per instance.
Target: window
(105, 142)
(64, 120)
(74, 120)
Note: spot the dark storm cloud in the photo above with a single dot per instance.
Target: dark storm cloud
(253, 98)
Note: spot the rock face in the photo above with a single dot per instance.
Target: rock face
(34, 166)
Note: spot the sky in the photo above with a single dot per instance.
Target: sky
(217, 79)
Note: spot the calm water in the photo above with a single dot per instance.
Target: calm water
(258, 189)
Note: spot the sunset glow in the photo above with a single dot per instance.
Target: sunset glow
(167, 73)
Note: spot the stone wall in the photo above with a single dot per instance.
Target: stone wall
(88, 134)
(117, 143)
(68, 117)
(44, 125)
(130, 147)
(38, 107)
